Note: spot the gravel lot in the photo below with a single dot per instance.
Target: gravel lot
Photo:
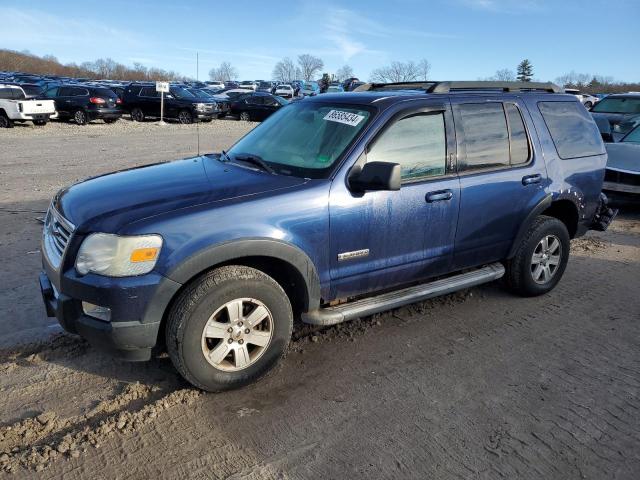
(480, 384)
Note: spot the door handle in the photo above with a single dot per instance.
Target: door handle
(531, 179)
(439, 196)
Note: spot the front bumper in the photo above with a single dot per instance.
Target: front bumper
(137, 306)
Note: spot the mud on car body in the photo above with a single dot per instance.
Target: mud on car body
(383, 197)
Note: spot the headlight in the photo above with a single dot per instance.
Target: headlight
(116, 256)
(200, 106)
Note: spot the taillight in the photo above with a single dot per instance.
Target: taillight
(118, 101)
(97, 100)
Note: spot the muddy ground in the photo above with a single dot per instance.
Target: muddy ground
(480, 384)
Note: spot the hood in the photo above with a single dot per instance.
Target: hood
(624, 156)
(109, 202)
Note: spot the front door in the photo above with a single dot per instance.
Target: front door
(384, 239)
(502, 176)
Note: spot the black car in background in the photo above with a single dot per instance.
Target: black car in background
(256, 106)
(142, 101)
(83, 103)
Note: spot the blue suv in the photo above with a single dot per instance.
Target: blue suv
(336, 207)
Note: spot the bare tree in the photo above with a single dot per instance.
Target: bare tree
(574, 79)
(424, 68)
(343, 73)
(309, 66)
(504, 75)
(223, 73)
(396, 72)
(285, 71)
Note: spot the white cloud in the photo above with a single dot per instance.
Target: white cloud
(505, 6)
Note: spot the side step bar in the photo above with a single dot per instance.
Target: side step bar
(398, 298)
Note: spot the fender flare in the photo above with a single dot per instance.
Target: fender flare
(252, 247)
(540, 207)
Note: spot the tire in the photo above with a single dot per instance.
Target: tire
(588, 105)
(523, 275)
(137, 115)
(206, 120)
(5, 122)
(80, 117)
(185, 117)
(245, 117)
(221, 116)
(206, 303)
(110, 120)
(40, 123)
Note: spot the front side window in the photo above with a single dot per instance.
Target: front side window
(633, 136)
(572, 129)
(305, 139)
(51, 93)
(417, 143)
(486, 138)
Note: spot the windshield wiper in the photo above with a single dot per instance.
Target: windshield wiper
(225, 155)
(255, 160)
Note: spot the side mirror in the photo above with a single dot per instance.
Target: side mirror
(376, 176)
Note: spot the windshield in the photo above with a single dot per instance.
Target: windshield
(618, 105)
(180, 92)
(304, 139)
(633, 136)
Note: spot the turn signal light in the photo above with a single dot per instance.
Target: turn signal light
(144, 255)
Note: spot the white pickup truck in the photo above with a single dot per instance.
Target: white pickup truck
(14, 106)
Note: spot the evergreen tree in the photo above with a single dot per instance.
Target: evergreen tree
(525, 71)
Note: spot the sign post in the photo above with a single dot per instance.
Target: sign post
(162, 87)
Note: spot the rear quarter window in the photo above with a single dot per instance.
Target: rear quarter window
(572, 130)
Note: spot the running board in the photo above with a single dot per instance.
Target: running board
(389, 301)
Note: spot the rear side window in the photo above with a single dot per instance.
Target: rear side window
(148, 92)
(417, 143)
(518, 134)
(486, 138)
(6, 93)
(573, 131)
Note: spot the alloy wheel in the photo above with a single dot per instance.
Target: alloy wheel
(80, 117)
(184, 117)
(546, 258)
(237, 334)
(245, 117)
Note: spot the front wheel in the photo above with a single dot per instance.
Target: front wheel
(185, 117)
(5, 122)
(541, 258)
(229, 328)
(245, 117)
(137, 115)
(588, 105)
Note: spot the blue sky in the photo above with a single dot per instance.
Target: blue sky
(462, 39)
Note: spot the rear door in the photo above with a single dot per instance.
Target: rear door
(388, 238)
(150, 101)
(502, 176)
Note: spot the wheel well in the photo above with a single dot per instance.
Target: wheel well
(566, 212)
(287, 276)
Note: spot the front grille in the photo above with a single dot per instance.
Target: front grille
(56, 235)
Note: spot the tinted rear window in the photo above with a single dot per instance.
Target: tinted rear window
(573, 131)
(104, 92)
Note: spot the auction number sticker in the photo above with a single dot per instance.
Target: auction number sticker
(347, 118)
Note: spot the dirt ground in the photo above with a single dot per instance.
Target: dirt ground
(476, 385)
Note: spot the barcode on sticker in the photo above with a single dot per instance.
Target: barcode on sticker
(347, 118)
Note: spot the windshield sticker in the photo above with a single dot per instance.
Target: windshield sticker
(347, 118)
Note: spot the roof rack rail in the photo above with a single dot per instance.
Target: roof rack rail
(448, 87)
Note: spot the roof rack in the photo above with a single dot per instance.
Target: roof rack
(448, 87)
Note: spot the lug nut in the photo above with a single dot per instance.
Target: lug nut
(240, 341)
(239, 324)
(230, 340)
(230, 329)
(247, 331)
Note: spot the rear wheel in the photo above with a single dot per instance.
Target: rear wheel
(229, 328)
(245, 116)
(185, 117)
(5, 122)
(137, 115)
(80, 117)
(541, 258)
(588, 105)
